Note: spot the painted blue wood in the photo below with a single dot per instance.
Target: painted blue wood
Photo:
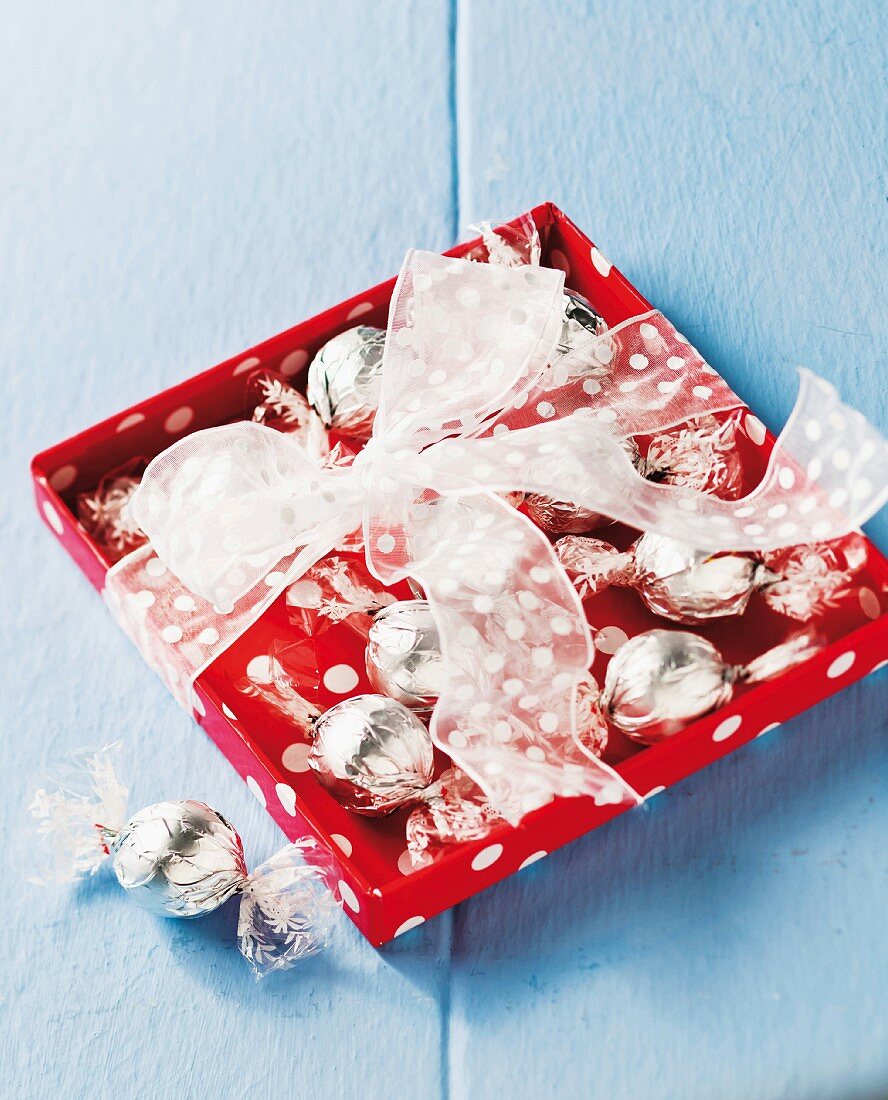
(179, 182)
(725, 941)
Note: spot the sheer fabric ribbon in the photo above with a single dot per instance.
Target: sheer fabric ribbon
(476, 402)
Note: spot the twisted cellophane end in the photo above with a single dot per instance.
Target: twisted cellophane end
(334, 590)
(508, 245)
(594, 565)
(805, 581)
(454, 810)
(78, 812)
(700, 455)
(288, 907)
(774, 662)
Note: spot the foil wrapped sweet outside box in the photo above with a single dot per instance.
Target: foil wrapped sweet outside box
(383, 892)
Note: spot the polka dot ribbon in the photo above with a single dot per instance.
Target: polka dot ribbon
(476, 402)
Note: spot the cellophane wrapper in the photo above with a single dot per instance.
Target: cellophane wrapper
(289, 907)
(83, 796)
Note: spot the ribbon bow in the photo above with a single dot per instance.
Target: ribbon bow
(475, 402)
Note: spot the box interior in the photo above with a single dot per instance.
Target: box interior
(374, 849)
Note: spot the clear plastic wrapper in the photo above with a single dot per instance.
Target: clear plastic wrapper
(288, 908)
(693, 586)
(660, 680)
(701, 455)
(453, 810)
(803, 581)
(339, 588)
(104, 512)
(183, 859)
(271, 400)
(508, 245)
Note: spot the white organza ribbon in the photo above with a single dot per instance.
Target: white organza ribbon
(475, 402)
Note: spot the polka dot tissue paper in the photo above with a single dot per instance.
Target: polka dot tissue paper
(511, 559)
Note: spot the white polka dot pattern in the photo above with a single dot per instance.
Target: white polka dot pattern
(340, 679)
(246, 365)
(63, 478)
(131, 421)
(411, 922)
(294, 362)
(287, 797)
(487, 857)
(601, 265)
(255, 789)
(841, 665)
(359, 310)
(179, 420)
(727, 728)
(534, 857)
(349, 897)
(342, 843)
(295, 757)
(52, 518)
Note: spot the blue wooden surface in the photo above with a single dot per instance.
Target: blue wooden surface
(180, 181)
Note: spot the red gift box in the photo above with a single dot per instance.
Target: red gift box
(382, 892)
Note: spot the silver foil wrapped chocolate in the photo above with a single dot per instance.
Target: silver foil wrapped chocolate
(345, 380)
(580, 325)
(271, 400)
(404, 659)
(691, 586)
(662, 679)
(674, 580)
(178, 859)
(183, 859)
(372, 754)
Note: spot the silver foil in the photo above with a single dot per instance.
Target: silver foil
(592, 731)
(561, 517)
(179, 859)
(579, 323)
(345, 380)
(693, 586)
(372, 754)
(659, 680)
(404, 657)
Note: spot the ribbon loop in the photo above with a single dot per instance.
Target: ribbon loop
(222, 507)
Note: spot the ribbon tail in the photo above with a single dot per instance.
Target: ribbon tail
(516, 645)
